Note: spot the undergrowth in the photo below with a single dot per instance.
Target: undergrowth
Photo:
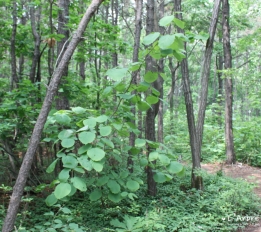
(225, 205)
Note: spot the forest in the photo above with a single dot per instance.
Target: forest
(129, 115)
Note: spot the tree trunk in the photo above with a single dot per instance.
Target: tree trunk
(135, 58)
(62, 101)
(205, 74)
(231, 157)
(14, 77)
(152, 112)
(38, 128)
(196, 181)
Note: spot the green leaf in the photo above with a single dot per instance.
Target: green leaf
(165, 21)
(107, 90)
(124, 194)
(140, 142)
(143, 162)
(62, 118)
(95, 195)
(159, 177)
(132, 196)
(87, 137)
(132, 185)
(115, 197)
(67, 143)
(175, 167)
(143, 86)
(52, 166)
(73, 191)
(135, 66)
(78, 110)
(105, 130)
(149, 39)
(51, 200)
(125, 96)
(164, 159)
(102, 180)
(69, 162)
(152, 99)
(91, 122)
(84, 149)
(101, 118)
(153, 156)
(97, 166)
(166, 40)
(117, 126)
(150, 77)
(62, 190)
(96, 154)
(143, 106)
(85, 163)
(65, 134)
(79, 169)
(179, 23)
(85, 128)
(117, 74)
(108, 142)
(64, 175)
(79, 183)
(114, 186)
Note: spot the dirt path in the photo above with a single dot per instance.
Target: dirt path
(248, 173)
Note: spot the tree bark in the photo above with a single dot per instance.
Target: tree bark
(151, 65)
(38, 128)
(205, 74)
(231, 157)
(135, 58)
(196, 181)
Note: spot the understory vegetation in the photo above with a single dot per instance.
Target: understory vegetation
(220, 207)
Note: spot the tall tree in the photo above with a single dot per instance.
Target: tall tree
(231, 157)
(38, 128)
(62, 101)
(135, 74)
(196, 181)
(205, 73)
(151, 65)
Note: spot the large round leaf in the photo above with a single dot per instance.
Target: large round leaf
(149, 39)
(67, 143)
(85, 162)
(65, 134)
(175, 167)
(86, 137)
(117, 74)
(62, 190)
(64, 174)
(150, 77)
(143, 106)
(114, 186)
(166, 40)
(51, 166)
(62, 118)
(153, 156)
(69, 161)
(78, 110)
(96, 154)
(79, 183)
(115, 197)
(105, 130)
(165, 21)
(97, 166)
(51, 200)
(164, 159)
(152, 99)
(101, 118)
(102, 180)
(108, 142)
(84, 149)
(159, 177)
(140, 142)
(95, 195)
(133, 185)
(91, 122)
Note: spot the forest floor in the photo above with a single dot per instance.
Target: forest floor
(246, 172)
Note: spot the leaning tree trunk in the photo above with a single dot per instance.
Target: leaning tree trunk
(135, 58)
(38, 128)
(205, 74)
(196, 181)
(231, 157)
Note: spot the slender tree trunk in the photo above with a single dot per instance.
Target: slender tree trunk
(135, 58)
(38, 128)
(219, 64)
(196, 181)
(35, 14)
(14, 77)
(62, 101)
(231, 157)
(205, 73)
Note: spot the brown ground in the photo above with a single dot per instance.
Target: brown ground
(245, 172)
